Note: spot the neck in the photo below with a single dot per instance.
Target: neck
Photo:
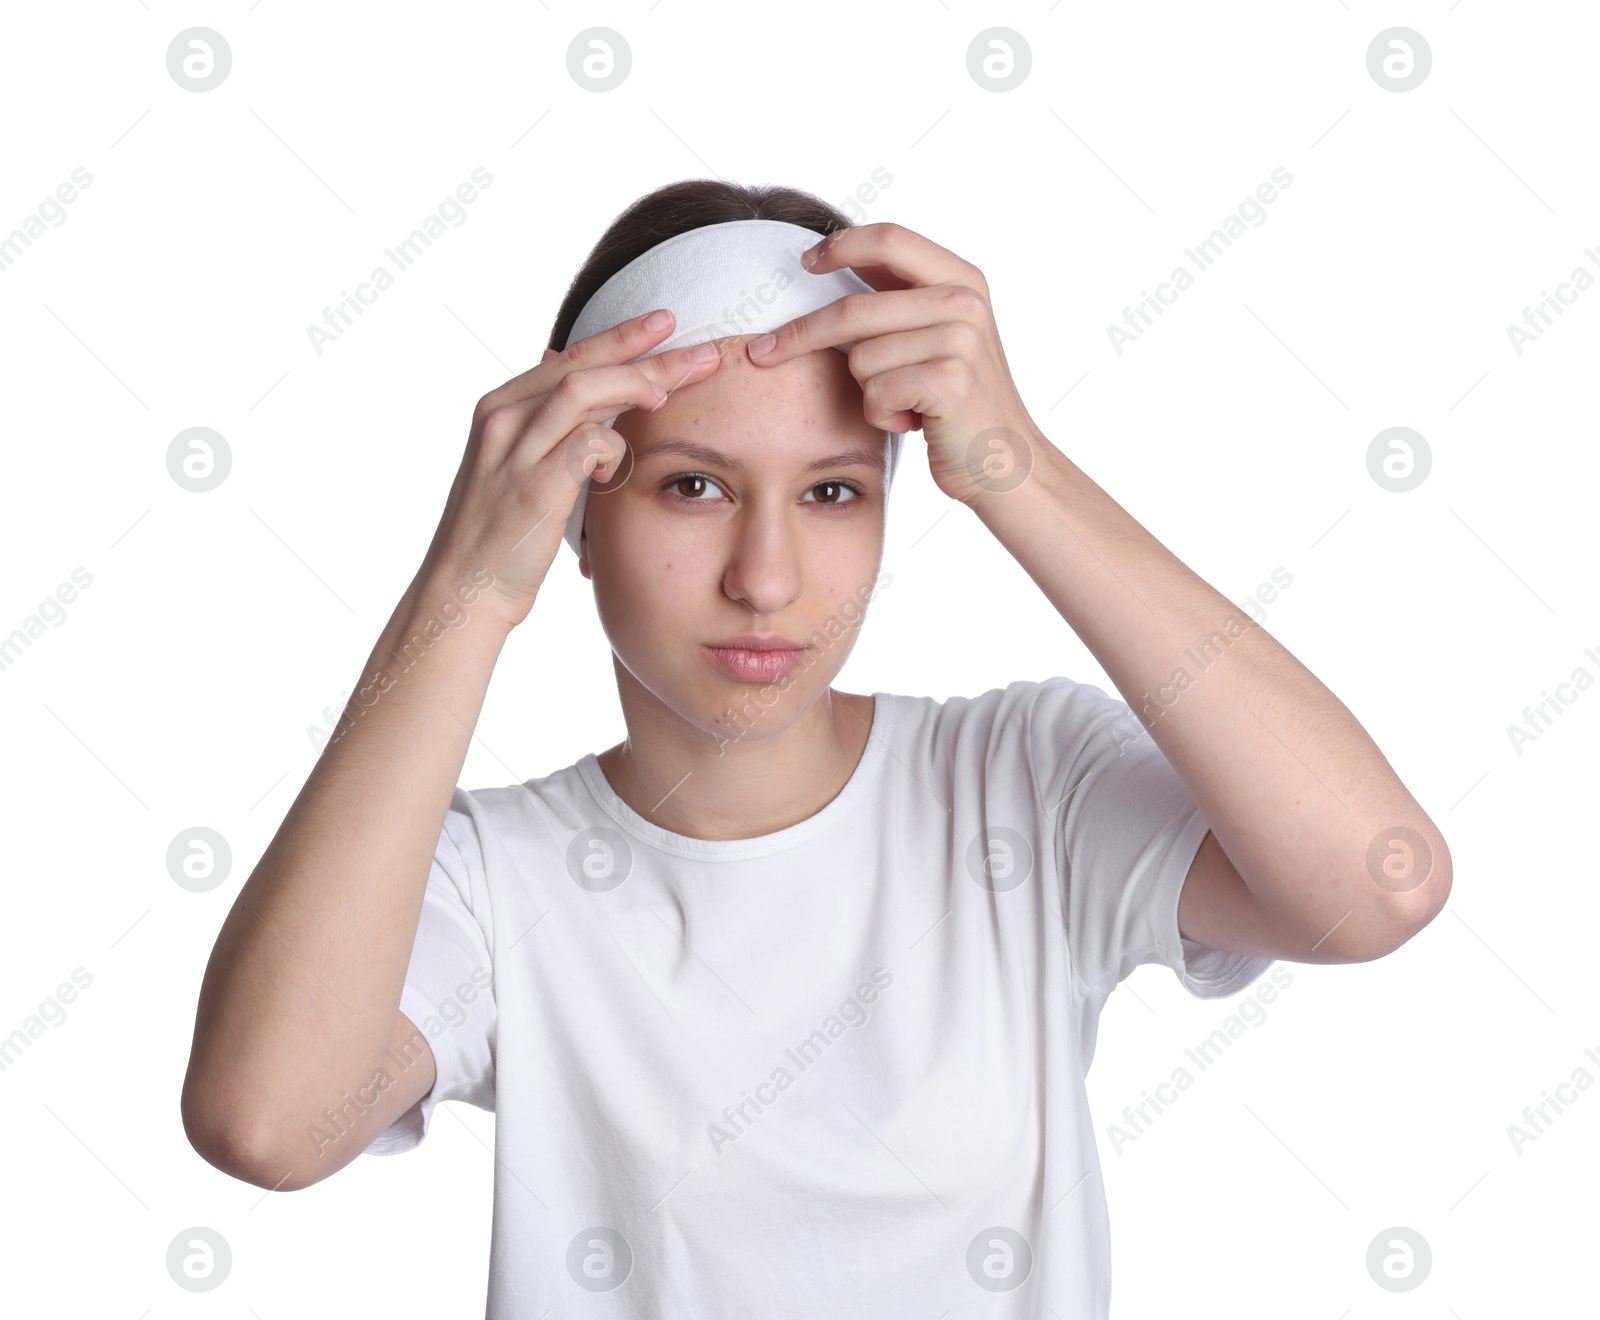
(717, 785)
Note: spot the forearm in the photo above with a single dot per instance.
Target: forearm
(299, 997)
(1293, 787)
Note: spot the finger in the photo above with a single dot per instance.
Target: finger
(619, 343)
(591, 442)
(593, 451)
(520, 433)
(671, 372)
(859, 316)
(678, 367)
(898, 400)
(898, 257)
(914, 348)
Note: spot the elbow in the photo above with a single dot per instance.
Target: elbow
(241, 1148)
(1406, 885)
(1390, 926)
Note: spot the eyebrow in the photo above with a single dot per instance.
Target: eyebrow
(866, 455)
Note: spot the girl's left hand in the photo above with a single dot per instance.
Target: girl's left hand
(929, 356)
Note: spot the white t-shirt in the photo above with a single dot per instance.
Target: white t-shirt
(836, 1070)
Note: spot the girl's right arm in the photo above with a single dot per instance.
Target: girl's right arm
(300, 1000)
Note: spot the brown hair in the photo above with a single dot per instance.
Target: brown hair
(676, 209)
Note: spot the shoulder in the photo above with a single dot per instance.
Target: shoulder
(497, 843)
(1005, 709)
(1031, 722)
(480, 820)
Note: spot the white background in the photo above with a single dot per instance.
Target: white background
(180, 688)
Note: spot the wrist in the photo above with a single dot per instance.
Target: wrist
(1040, 473)
(444, 600)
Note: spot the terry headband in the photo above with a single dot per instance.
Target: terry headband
(741, 277)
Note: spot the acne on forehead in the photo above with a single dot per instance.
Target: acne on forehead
(798, 384)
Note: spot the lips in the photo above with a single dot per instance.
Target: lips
(757, 642)
(755, 659)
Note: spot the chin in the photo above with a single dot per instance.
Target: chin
(731, 711)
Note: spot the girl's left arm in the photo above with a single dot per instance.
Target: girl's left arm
(1317, 852)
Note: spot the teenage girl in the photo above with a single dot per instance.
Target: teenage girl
(784, 1003)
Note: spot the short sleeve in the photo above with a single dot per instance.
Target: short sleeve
(449, 985)
(1127, 830)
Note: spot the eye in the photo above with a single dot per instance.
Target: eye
(837, 488)
(689, 478)
(835, 493)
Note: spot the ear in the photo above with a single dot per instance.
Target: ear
(548, 354)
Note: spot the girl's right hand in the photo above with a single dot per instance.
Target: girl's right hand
(534, 441)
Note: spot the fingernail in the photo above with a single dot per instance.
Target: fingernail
(808, 258)
(761, 347)
(701, 353)
(657, 321)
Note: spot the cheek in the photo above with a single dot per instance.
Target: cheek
(656, 558)
(647, 580)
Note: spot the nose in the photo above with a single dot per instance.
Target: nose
(763, 568)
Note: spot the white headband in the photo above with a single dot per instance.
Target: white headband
(742, 277)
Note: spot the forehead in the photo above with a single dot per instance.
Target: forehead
(808, 406)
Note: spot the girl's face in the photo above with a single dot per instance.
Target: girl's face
(751, 502)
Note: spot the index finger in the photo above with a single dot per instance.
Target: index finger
(612, 347)
(908, 266)
(843, 323)
(890, 256)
